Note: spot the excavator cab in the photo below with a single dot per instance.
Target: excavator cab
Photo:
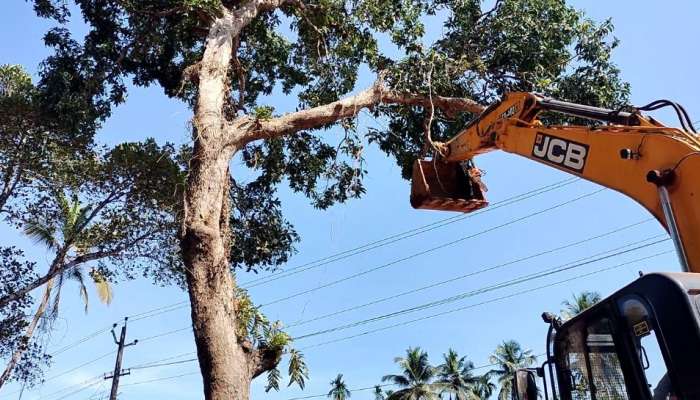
(447, 186)
(641, 343)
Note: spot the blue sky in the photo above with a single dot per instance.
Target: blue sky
(658, 56)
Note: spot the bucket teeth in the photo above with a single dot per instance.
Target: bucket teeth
(445, 186)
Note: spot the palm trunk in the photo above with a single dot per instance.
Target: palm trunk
(29, 333)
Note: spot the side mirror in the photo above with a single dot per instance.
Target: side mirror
(525, 385)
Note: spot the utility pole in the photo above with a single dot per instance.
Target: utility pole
(118, 364)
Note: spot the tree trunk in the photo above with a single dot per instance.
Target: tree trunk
(29, 333)
(226, 364)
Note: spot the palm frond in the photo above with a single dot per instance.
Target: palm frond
(104, 292)
(77, 275)
(398, 380)
(41, 232)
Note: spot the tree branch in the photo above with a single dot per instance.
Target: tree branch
(265, 359)
(58, 266)
(350, 107)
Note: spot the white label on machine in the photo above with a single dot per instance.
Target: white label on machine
(566, 153)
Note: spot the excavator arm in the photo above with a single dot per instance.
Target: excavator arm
(657, 166)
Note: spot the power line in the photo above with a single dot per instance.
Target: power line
(149, 363)
(512, 282)
(164, 364)
(94, 360)
(432, 249)
(81, 386)
(79, 390)
(157, 311)
(361, 249)
(403, 235)
(522, 279)
(80, 341)
(160, 363)
(172, 332)
(470, 274)
(160, 379)
(367, 247)
(519, 293)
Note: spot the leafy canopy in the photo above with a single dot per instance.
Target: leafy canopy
(315, 51)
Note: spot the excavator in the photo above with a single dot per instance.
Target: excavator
(603, 353)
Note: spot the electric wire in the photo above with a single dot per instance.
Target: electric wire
(404, 235)
(149, 363)
(66, 372)
(159, 379)
(539, 274)
(86, 387)
(167, 333)
(81, 386)
(80, 341)
(363, 248)
(171, 307)
(158, 365)
(470, 274)
(511, 282)
(92, 361)
(462, 308)
(430, 250)
(87, 384)
(157, 311)
(378, 243)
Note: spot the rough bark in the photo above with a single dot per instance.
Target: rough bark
(225, 364)
(28, 334)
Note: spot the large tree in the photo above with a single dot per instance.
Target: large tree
(223, 57)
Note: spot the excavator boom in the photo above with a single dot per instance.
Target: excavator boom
(655, 165)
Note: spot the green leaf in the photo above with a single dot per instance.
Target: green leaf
(273, 380)
(298, 371)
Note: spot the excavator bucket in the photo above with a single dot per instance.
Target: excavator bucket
(446, 186)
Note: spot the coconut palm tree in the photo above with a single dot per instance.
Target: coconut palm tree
(579, 303)
(339, 391)
(455, 376)
(483, 388)
(509, 357)
(416, 379)
(64, 234)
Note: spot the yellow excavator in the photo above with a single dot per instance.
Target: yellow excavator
(601, 354)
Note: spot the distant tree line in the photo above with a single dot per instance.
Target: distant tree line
(456, 377)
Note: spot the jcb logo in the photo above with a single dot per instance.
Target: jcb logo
(562, 152)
